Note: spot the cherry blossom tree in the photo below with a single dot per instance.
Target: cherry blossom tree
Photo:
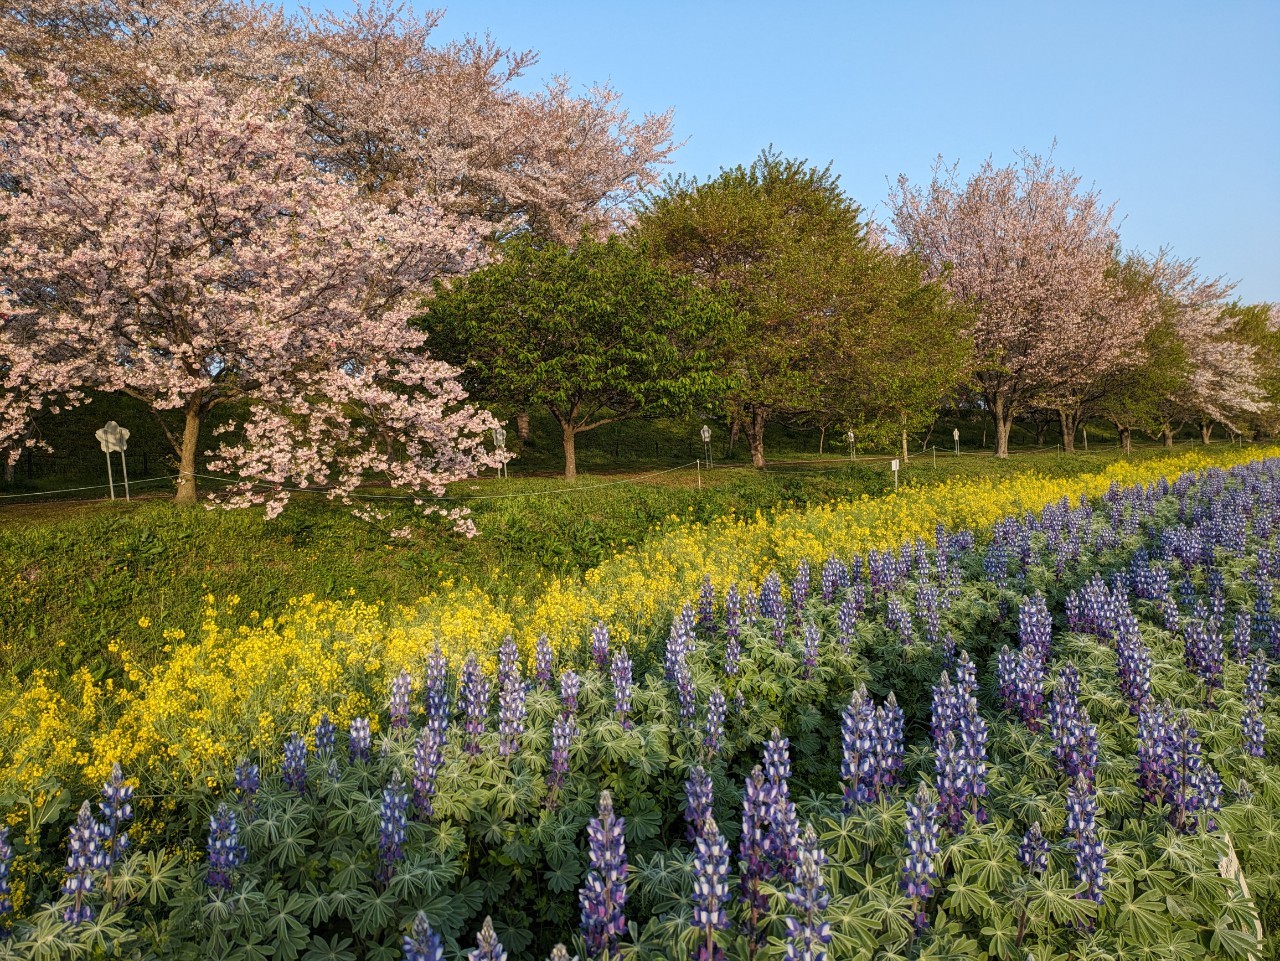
(1031, 254)
(193, 258)
(383, 105)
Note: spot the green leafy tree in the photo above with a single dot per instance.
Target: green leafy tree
(595, 334)
(780, 236)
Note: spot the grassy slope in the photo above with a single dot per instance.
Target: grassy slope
(74, 577)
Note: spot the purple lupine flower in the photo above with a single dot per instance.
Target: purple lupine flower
(1186, 792)
(808, 936)
(918, 867)
(732, 630)
(511, 712)
(600, 645)
(753, 852)
(1241, 636)
(116, 807)
(326, 736)
(699, 797)
(771, 605)
(570, 685)
(707, 606)
(438, 688)
(6, 856)
(475, 694)
(1091, 866)
(946, 708)
(780, 629)
(948, 651)
(421, 943)
(247, 780)
(686, 693)
(1033, 852)
(564, 730)
(972, 731)
(1153, 748)
(846, 620)
(401, 687)
(750, 608)
(428, 758)
(710, 889)
(676, 651)
(84, 857)
(1029, 687)
(1203, 653)
(1254, 731)
(508, 661)
(1082, 807)
(561, 953)
(898, 619)
(812, 638)
(949, 781)
(392, 822)
(928, 606)
(620, 671)
(716, 709)
(1074, 738)
(835, 577)
(360, 737)
(1133, 663)
(966, 677)
(688, 623)
(543, 662)
(800, 587)
(857, 741)
(226, 850)
(294, 772)
(1255, 684)
(783, 839)
(605, 894)
(889, 745)
(1007, 677)
(488, 947)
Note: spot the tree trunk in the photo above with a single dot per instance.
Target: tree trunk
(755, 436)
(906, 454)
(822, 438)
(1167, 433)
(1069, 423)
(187, 455)
(1042, 428)
(10, 467)
(735, 426)
(570, 458)
(1126, 439)
(522, 426)
(1004, 423)
(1206, 432)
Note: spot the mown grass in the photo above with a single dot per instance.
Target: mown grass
(75, 577)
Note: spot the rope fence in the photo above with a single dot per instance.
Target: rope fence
(798, 467)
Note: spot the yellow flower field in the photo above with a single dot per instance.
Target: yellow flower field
(236, 689)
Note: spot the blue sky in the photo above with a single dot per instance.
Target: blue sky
(1171, 109)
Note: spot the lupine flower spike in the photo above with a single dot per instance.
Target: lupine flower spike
(360, 739)
(6, 855)
(710, 890)
(488, 947)
(392, 821)
(83, 858)
(226, 851)
(421, 943)
(809, 935)
(918, 868)
(605, 894)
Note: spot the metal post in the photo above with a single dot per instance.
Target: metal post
(110, 480)
(699, 465)
(935, 455)
(124, 467)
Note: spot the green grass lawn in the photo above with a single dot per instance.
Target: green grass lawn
(75, 576)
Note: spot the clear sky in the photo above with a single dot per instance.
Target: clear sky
(1171, 109)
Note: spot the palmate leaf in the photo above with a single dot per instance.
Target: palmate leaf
(282, 925)
(336, 948)
(564, 877)
(644, 819)
(1001, 936)
(373, 912)
(1052, 904)
(1233, 941)
(1143, 918)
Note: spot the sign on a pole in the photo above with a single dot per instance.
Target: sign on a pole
(500, 442)
(894, 467)
(112, 437)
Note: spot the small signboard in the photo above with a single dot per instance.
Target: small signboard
(114, 438)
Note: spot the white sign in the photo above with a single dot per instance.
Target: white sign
(500, 442)
(112, 437)
(706, 434)
(955, 434)
(894, 467)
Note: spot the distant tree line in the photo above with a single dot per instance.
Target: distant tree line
(363, 242)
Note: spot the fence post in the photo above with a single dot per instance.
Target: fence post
(699, 466)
